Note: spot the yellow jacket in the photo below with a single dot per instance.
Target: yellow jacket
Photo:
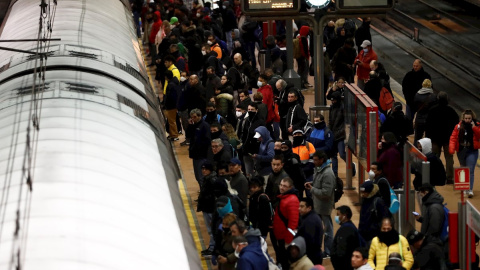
(176, 73)
(380, 251)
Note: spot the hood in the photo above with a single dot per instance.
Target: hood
(374, 191)
(227, 208)
(253, 233)
(226, 96)
(304, 30)
(426, 144)
(158, 16)
(300, 243)
(425, 90)
(432, 198)
(264, 133)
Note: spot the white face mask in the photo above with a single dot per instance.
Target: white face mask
(324, 49)
(316, 123)
(238, 114)
(237, 253)
(365, 50)
(209, 42)
(259, 83)
(182, 79)
(204, 52)
(199, 15)
(371, 175)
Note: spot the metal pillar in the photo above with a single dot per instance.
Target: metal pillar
(373, 136)
(290, 75)
(425, 172)
(349, 170)
(462, 234)
(361, 179)
(409, 195)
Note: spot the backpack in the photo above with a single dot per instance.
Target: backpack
(386, 99)
(394, 203)
(297, 53)
(445, 227)
(338, 191)
(236, 77)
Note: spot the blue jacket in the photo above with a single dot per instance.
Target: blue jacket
(252, 258)
(265, 152)
(322, 139)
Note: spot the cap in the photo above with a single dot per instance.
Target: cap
(222, 201)
(173, 20)
(298, 131)
(367, 186)
(207, 165)
(257, 135)
(414, 236)
(366, 43)
(235, 161)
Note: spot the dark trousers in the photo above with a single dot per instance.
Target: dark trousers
(280, 250)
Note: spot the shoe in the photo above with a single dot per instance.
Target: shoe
(184, 143)
(174, 139)
(326, 256)
(207, 254)
(354, 169)
(470, 194)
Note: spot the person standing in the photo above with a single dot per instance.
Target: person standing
(296, 255)
(321, 136)
(322, 189)
(170, 104)
(359, 259)
(441, 120)
(346, 240)
(311, 229)
(411, 83)
(423, 100)
(433, 214)
(372, 211)
(362, 61)
(199, 133)
(465, 140)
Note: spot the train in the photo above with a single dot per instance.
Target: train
(88, 177)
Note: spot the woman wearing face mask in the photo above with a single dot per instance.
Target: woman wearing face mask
(225, 254)
(387, 242)
(465, 140)
(391, 159)
(224, 100)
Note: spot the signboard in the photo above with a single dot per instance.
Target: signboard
(364, 5)
(473, 218)
(462, 178)
(270, 7)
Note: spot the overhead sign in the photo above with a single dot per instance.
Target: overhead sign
(462, 178)
(365, 6)
(317, 3)
(270, 7)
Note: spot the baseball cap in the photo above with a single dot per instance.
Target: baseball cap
(366, 43)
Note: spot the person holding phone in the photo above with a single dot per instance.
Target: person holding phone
(433, 213)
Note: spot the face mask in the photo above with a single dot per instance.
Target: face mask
(271, 46)
(278, 152)
(211, 114)
(371, 175)
(204, 52)
(252, 115)
(237, 253)
(319, 125)
(199, 15)
(324, 49)
(298, 140)
(260, 84)
(238, 114)
(337, 219)
(209, 42)
(215, 135)
(365, 50)
(182, 79)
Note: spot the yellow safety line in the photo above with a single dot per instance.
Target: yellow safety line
(191, 220)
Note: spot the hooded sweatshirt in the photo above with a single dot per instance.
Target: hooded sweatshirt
(265, 151)
(302, 262)
(438, 175)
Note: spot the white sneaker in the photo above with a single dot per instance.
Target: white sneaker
(470, 194)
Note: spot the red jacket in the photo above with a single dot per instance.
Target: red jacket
(267, 93)
(155, 28)
(288, 207)
(454, 144)
(364, 68)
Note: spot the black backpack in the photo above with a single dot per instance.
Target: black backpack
(338, 192)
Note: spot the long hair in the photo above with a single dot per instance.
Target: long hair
(230, 131)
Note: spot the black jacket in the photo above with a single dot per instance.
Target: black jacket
(433, 216)
(412, 82)
(430, 256)
(441, 121)
(398, 124)
(199, 134)
(311, 229)
(206, 198)
(260, 212)
(346, 240)
(296, 117)
(372, 211)
(438, 175)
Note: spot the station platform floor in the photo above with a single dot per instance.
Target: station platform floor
(189, 187)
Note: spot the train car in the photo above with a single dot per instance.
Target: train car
(88, 178)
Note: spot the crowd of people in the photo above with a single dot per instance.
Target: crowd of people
(266, 169)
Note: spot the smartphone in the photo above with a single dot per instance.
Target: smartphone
(415, 214)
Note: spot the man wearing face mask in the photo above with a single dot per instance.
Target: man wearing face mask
(372, 211)
(433, 215)
(321, 136)
(265, 153)
(362, 62)
(346, 240)
(249, 256)
(240, 113)
(376, 175)
(212, 116)
(311, 229)
(305, 151)
(250, 144)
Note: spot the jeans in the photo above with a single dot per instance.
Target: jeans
(228, 37)
(437, 149)
(136, 19)
(197, 170)
(328, 227)
(338, 147)
(470, 161)
(207, 217)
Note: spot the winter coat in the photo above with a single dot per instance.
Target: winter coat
(171, 95)
(239, 182)
(288, 208)
(311, 229)
(441, 120)
(224, 104)
(398, 124)
(322, 139)
(438, 176)
(423, 100)
(265, 152)
(433, 216)
(323, 188)
(372, 211)
(303, 263)
(199, 134)
(430, 256)
(380, 252)
(392, 162)
(411, 83)
(250, 144)
(273, 183)
(296, 117)
(346, 240)
(372, 89)
(363, 69)
(260, 213)
(252, 258)
(336, 121)
(340, 61)
(454, 141)
(222, 158)
(157, 25)
(267, 93)
(206, 198)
